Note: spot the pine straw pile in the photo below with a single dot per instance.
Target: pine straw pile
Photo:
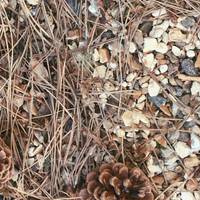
(82, 85)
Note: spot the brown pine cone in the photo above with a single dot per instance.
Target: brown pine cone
(5, 163)
(116, 181)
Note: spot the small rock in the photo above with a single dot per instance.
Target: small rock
(149, 61)
(132, 47)
(146, 27)
(133, 63)
(124, 84)
(95, 55)
(165, 81)
(31, 151)
(195, 89)
(197, 63)
(179, 91)
(120, 133)
(109, 87)
(38, 150)
(153, 88)
(165, 37)
(190, 54)
(130, 77)
(182, 149)
(191, 161)
(197, 195)
(93, 8)
(188, 22)
(188, 68)
(33, 2)
(187, 196)
(140, 106)
(157, 72)
(163, 68)
(175, 35)
(141, 99)
(158, 100)
(107, 124)
(158, 30)
(104, 55)
(134, 117)
(197, 44)
(100, 71)
(161, 48)
(195, 142)
(153, 167)
(190, 46)
(30, 161)
(159, 12)
(112, 65)
(176, 51)
(150, 44)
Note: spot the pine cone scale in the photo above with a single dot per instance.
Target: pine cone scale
(117, 182)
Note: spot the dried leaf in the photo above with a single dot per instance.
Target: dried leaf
(134, 117)
(40, 73)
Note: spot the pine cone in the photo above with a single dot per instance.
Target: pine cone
(116, 182)
(5, 163)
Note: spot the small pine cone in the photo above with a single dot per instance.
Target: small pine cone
(5, 163)
(116, 181)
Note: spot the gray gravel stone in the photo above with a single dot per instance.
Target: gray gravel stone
(158, 100)
(188, 22)
(187, 67)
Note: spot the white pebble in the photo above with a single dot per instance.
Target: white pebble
(149, 61)
(165, 38)
(195, 89)
(165, 81)
(112, 65)
(95, 55)
(93, 8)
(130, 77)
(141, 99)
(197, 44)
(176, 51)
(158, 30)
(190, 54)
(140, 106)
(162, 48)
(182, 149)
(163, 68)
(153, 88)
(195, 142)
(100, 71)
(120, 133)
(189, 46)
(132, 47)
(124, 84)
(187, 196)
(150, 44)
(157, 72)
(33, 2)
(175, 35)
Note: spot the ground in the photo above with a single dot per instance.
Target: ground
(90, 82)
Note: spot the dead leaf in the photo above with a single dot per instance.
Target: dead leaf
(39, 71)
